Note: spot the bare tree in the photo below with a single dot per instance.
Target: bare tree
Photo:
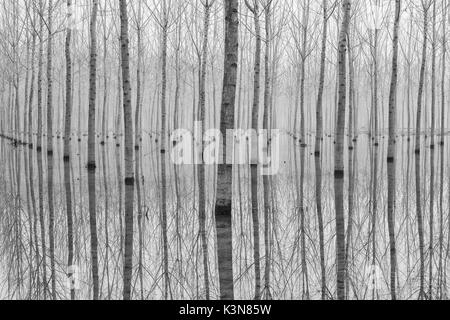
(392, 149)
(266, 127)
(432, 149)
(318, 146)
(50, 160)
(68, 109)
(165, 30)
(129, 170)
(91, 165)
(223, 206)
(425, 6)
(201, 168)
(254, 146)
(441, 280)
(339, 152)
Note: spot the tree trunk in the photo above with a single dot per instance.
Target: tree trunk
(432, 150)
(201, 167)
(27, 81)
(30, 154)
(68, 115)
(50, 159)
(31, 96)
(392, 150)
(105, 87)
(137, 120)
(129, 170)
(417, 153)
(254, 148)
(79, 100)
(40, 67)
(42, 222)
(266, 179)
(176, 117)
(318, 149)
(91, 165)
(140, 216)
(442, 146)
(67, 132)
(303, 146)
(351, 165)
(375, 139)
(339, 152)
(223, 205)
(165, 27)
(39, 151)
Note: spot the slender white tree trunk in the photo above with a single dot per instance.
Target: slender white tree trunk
(254, 147)
(201, 168)
(318, 148)
(392, 150)
(418, 156)
(129, 156)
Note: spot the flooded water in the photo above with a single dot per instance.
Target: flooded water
(27, 206)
